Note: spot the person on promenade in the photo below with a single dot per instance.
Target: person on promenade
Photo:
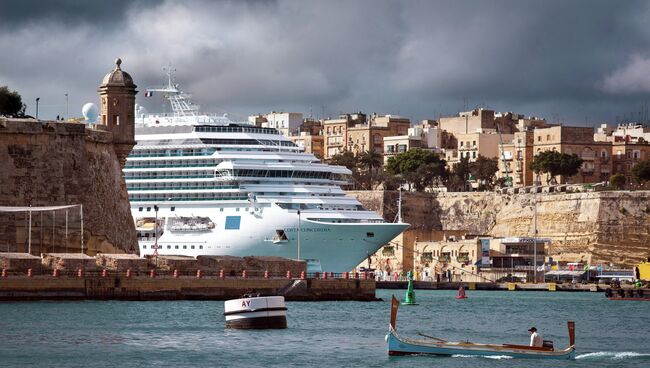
(535, 338)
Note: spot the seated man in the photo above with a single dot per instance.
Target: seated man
(535, 338)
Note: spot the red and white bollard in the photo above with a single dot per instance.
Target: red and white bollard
(199, 274)
(29, 272)
(356, 275)
(266, 274)
(395, 277)
(346, 275)
(222, 274)
(244, 274)
(288, 274)
(128, 273)
(325, 275)
(331, 275)
(55, 273)
(104, 273)
(364, 275)
(152, 274)
(316, 275)
(80, 272)
(302, 275)
(176, 273)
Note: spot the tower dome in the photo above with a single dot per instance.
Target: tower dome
(118, 77)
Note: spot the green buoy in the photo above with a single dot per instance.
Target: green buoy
(410, 294)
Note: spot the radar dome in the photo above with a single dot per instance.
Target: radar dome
(90, 112)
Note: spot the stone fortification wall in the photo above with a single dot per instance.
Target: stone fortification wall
(56, 163)
(593, 227)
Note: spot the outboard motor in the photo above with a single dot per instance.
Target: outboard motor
(547, 344)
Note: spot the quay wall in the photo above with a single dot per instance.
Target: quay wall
(119, 287)
(46, 163)
(594, 227)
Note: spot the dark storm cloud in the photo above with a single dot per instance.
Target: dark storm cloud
(574, 60)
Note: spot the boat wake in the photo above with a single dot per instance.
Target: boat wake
(613, 355)
(496, 357)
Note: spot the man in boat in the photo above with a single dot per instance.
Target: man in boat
(535, 338)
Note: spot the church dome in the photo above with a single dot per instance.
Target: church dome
(118, 77)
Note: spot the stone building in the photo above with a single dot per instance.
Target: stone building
(358, 133)
(483, 143)
(515, 158)
(313, 144)
(287, 123)
(451, 259)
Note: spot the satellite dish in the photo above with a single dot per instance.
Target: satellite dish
(90, 112)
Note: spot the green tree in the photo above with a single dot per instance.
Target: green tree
(484, 170)
(555, 163)
(641, 171)
(11, 103)
(460, 172)
(345, 158)
(370, 161)
(617, 181)
(419, 168)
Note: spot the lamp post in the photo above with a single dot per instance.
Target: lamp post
(155, 234)
(299, 230)
(37, 99)
(66, 105)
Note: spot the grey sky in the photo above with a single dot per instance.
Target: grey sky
(567, 60)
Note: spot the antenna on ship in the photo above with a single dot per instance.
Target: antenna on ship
(182, 105)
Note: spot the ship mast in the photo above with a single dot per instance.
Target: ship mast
(180, 101)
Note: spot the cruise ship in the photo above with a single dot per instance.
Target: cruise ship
(205, 185)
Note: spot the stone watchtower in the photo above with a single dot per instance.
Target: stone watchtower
(117, 93)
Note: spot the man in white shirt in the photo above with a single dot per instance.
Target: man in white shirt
(535, 338)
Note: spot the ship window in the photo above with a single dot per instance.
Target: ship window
(140, 209)
(200, 247)
(220, 209)
(237, 209)
(184, 246)
(175, 246)
(173, 208)
(144, 247)
(370, 235)
(169, 247)
(192, 246)
(148, 209)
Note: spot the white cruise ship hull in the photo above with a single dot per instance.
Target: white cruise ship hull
(338, 246)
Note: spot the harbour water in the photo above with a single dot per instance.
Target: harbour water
(322, 334)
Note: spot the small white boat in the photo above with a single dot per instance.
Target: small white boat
(256, 312)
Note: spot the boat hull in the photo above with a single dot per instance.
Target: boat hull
(398, 345)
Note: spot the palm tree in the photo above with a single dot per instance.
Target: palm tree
(371, 160)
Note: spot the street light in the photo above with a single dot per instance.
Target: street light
(298, 234)
(155, 234)
(66, 105)
(37, 99)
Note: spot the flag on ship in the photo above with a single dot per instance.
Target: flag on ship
(148, 94)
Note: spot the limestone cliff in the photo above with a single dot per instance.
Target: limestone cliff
(57, 163)
(593, 227)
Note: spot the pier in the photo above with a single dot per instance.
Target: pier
(509, 286)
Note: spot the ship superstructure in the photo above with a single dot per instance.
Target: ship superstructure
(204, 185)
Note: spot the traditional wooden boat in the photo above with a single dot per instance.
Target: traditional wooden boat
(398, 345)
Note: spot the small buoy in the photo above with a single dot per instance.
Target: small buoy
(410, 293)
(461, 293)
